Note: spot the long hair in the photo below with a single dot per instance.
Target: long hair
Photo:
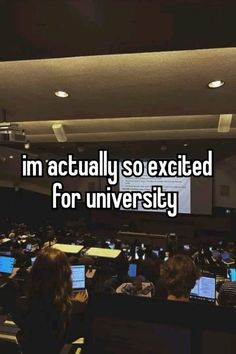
(50, 286)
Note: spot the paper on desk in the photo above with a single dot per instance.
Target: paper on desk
(103, 252)
(68, 248)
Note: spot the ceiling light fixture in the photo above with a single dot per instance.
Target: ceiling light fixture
(163, 147)
(224, 123)
(216, 84)
(185, 145)
(11, 157)
(80, 148)
(2, 158)
(62, 94)
(5, 125)
(10, 132)
(59, 132)
(27, 145)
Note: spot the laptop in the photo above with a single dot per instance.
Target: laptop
(6, 265)
(204, 289)
(231, 274)
(110, 244)
(156, 252)
(132, 272)
(78, 277)
(29, 247)
(225, 255)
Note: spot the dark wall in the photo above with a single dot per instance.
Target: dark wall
(34, 208)
(219, 225)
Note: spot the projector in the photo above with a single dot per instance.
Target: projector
(11, 133)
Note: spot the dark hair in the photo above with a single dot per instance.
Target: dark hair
(50, 286)
(179, 275)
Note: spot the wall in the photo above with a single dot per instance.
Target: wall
(19, 204)
(225, 183)
(35, 208)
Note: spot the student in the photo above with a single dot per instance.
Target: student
(48, 317)
(179, 275)
(120, 275)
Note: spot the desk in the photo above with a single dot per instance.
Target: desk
(73, 249)
(102, 252)
(8, 330)
(4, 240)
(145, 286)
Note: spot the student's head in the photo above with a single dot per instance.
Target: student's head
(179, 275)
(231, 248)
(149, 268)
(50, 283)
(121, 266)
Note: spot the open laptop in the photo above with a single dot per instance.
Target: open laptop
(132, 272)
(78, 277)
(204, 289)
(6, 265)
(231, 274)
(156, 252)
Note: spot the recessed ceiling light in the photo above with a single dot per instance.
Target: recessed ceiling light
(61, 94)
(185, 145)
(163, 147)
(11, 157)
(27, 145)
(80, 148)
(216, 84)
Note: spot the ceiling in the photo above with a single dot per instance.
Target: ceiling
(223, 148)
(152, 100)
(125, 85)
(125, 97)
(32, 29)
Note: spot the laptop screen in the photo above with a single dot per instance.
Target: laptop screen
(225, 255)
(6, 264)
(78, 276)
(29, 247)
(111, 245)
(132, 272)
(156, 252)
(204, 289)
(232, 274)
